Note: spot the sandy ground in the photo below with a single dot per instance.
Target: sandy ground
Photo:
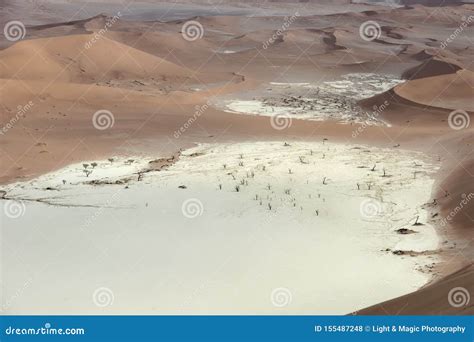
(158, 93)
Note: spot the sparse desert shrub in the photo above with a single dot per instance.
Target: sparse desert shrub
(302, 161)
(416, 222)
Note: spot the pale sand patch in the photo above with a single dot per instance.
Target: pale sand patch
(320, 247)
(336, 100)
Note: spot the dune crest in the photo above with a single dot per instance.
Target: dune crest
(68, 59)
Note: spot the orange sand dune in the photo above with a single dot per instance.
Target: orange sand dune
(430, 67)
(452, 91)
(430, 300)
(67, 59)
